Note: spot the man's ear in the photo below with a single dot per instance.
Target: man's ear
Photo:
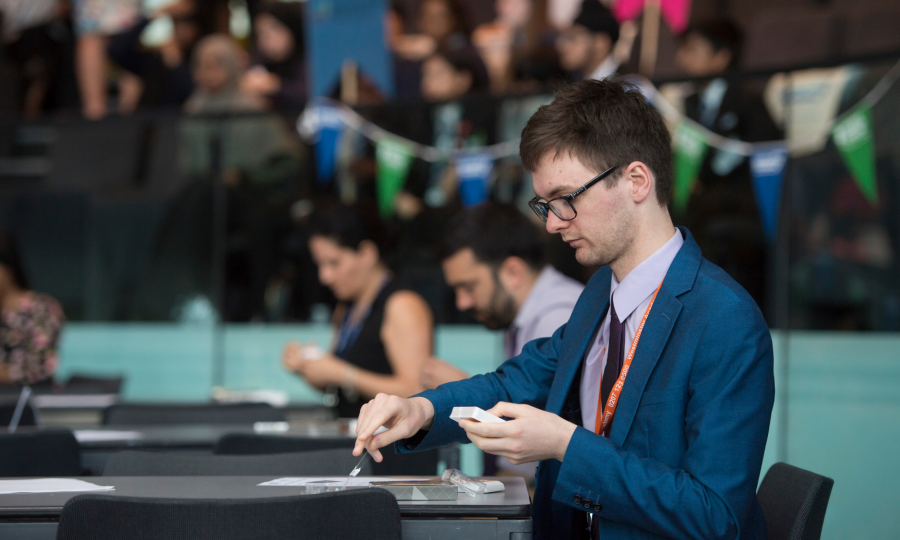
(512, 273)
(641, 180)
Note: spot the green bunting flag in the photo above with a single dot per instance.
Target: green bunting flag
(853, 138)
(393, 159)
(690, 149)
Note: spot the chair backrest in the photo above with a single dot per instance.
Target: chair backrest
(794, 502)
(44, 453)
(412, 464)
(365, 514)
(318, 463)
(135, 414)
(81, 384)
(8, 408)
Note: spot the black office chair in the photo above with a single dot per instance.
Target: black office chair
(412, 464)
(794, 502)
(8, 405)
(318, 463)
(142, 414)
(82, 384)
(365, 514)
(44, 453)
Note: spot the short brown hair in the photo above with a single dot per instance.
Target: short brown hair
(602, 124)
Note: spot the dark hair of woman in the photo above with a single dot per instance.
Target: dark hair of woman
(348, 226)
(10, 258)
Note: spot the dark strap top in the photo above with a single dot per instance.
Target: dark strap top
(365, 350)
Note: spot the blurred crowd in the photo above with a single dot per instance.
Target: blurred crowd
(115, 56)
(466, 74)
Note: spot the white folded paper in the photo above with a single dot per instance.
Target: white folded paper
(89, 435)
(49, 485)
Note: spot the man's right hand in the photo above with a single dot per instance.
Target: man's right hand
(404, 417)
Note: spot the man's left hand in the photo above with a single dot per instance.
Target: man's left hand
(532, 435)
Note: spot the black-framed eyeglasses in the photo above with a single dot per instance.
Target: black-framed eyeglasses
(562, 207)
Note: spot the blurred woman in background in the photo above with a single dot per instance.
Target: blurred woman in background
(29, 324)
(384, 333)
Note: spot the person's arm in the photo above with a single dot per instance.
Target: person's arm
(408, 336)
(406, 332)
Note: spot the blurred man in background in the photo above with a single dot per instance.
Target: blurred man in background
(586, 48)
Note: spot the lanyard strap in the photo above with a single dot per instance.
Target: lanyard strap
(603, 420)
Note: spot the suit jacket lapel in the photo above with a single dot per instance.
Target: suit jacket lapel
(679, 280)
(579, 331)
(656, 332)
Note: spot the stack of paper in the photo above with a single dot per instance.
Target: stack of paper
(49, 485)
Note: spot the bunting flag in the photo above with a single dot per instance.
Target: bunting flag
(474, 172)
(854, 140)
(690, 149)
(676, 12)
(767, 168)
(329, 127)
(393, 158)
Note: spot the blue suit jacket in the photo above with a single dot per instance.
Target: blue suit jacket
(684, 454)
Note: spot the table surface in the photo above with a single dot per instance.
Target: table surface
(514, 503)
(206, 435)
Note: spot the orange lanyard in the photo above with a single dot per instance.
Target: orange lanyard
(603, 420)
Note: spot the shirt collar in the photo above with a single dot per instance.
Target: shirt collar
(644, 279)
(534, 302)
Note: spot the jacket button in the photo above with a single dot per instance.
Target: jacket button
(587, 505)
(577, 499)
(598, 507)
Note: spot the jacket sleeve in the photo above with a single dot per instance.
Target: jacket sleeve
(729, 404)
(523, 379)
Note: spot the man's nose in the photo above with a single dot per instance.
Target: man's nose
(554, 224)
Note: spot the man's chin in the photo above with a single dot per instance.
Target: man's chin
(586, 258)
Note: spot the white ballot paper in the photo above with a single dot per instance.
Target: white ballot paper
(359, 481)
(49, 485)
(89, 435)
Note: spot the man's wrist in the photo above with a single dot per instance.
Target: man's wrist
(427, 409)
(565, 439)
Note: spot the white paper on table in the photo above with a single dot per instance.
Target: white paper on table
(49, 485)
(359, 481)
(89, 435)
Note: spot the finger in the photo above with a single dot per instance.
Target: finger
(483, 429)
(485, 444)
(510, 410)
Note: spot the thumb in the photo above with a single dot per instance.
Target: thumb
(510, 410)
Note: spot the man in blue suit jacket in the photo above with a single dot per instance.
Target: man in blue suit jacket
(679, 373)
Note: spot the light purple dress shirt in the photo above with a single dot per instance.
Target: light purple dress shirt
(547, 307)
(631, 297)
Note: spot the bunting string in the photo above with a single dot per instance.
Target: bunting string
(306, 124)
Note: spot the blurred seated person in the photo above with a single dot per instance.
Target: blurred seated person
(278, 68)
(256, 149)
(722, 211)
(518, 43)
(385, 334)
(165, 72)
(440, 24)
(448, 78)
(494, 259)
(586, 48)
(260, 164)
(452, 75)
(29, 325)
